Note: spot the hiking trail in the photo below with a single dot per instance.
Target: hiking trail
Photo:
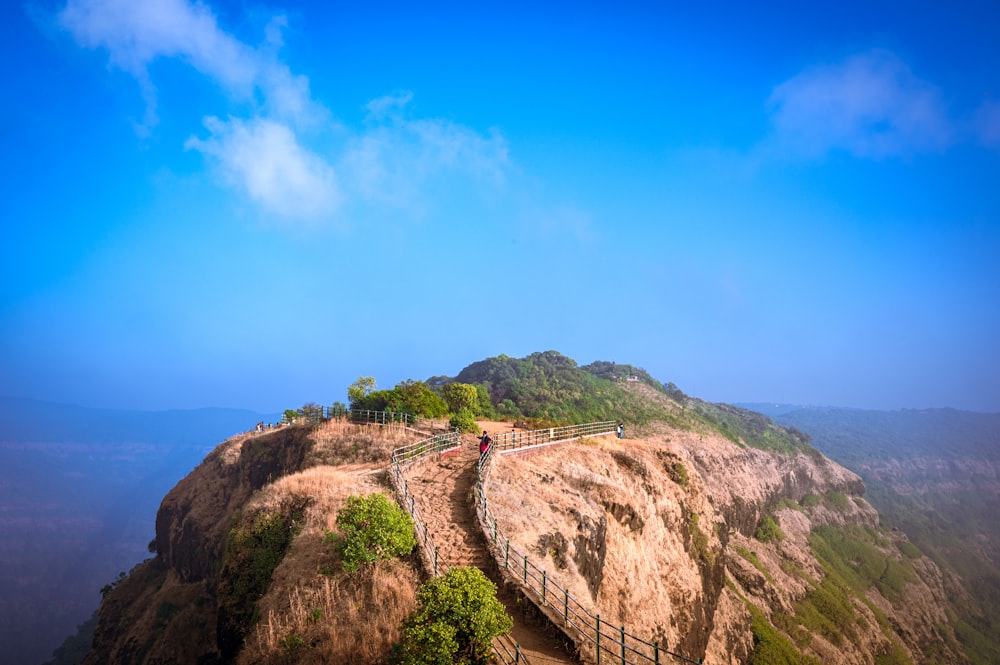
(443, 488)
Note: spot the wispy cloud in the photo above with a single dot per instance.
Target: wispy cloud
(137, 33)
(869, 105)
(395, 160)
(265, 160)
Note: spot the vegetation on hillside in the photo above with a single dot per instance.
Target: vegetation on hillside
(945, 501)
(413, 397)
(752, 429)
(551, 387)
(457, 618)
(372, 529)
(254, 548)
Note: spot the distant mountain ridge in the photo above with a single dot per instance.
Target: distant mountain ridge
(38, 421)
(78, 496)
(934, 473)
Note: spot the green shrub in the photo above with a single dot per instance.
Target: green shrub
(456, 620)
(679, 474)
(465, 421)
(771, 647)
(460, 396)
(292, 644)
(413, 397)
(373, 529)
(755, 560)
(836, 501)
(254, 548)
(768, 530)
(810, 500)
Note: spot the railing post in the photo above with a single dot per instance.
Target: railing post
(656, 652)
(623, 645)
(525, 568)
(494, 527)
(435, 560)
(598, 639)
(517, 653)
(544, 580)
(566, 605)
(506, 556)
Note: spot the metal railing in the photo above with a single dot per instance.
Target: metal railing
(542, 437)
(609, 643)
(505, 648)
(362, 416)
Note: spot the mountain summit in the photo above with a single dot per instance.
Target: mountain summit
(707, 529)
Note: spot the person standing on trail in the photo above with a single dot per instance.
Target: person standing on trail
(621, 430)
(484, 443)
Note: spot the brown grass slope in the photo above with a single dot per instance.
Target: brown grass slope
(658, 534)
(167, 610)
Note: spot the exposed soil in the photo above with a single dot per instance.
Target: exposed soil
(444, 493)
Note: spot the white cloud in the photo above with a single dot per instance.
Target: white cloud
(136, 33)
(394, 161)
(870, 105)
(264, 159)
(397, 159)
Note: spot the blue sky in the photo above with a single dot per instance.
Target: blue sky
(250, 205)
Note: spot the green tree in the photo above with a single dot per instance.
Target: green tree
(456, 619)
(460, 396)
(373, 529)
(485, 407)
(291, 415)
(418, 398)
(357, 391)
(465, 421)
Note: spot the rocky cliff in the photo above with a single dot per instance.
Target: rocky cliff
(718, 550)
(724, 552)
(241, 567)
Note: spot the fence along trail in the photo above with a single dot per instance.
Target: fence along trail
(442, 488)
(443, 478)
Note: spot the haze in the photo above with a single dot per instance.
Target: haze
(250, 205)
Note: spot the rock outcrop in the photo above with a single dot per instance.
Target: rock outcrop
(721, 551)
(714, 549)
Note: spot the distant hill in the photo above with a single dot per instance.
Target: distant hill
(79, 489)
(935, 474)
(551, 387)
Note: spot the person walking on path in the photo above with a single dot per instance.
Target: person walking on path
(484, 443)
(621, 430)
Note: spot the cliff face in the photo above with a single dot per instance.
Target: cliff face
(716, 550)
(165, 611)
(240, 541)
(724, 552)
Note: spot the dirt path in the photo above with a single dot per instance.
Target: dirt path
(444, 493)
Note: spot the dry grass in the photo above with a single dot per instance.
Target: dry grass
(620, 495)
(313, 612)
(342, 619)
(339, 442)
